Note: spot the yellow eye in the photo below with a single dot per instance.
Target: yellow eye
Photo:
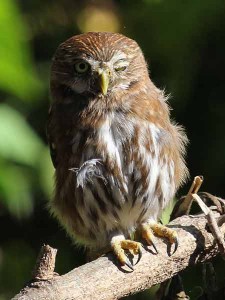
(120, 68)
(81, 67)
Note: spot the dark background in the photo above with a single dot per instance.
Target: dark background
(184, 44)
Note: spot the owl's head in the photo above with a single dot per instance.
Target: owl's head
(98, 63)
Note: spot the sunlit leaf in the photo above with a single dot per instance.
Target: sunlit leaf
(18, 141)
(17, 76)
(165, 218)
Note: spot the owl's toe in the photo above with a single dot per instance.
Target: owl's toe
(148, 236)
(153, 228)
(120, 246)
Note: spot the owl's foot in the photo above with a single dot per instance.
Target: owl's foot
(148, 236)
(148, 231)
(120, 246)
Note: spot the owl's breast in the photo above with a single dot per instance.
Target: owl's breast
(127, 169)
(118, 177)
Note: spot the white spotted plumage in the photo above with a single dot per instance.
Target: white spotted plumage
(93, 168)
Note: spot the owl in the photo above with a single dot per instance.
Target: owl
(118, 157)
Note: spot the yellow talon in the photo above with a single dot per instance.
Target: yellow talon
(164, 231)
(149, 229)
(120, 245)
(148, 236)
(131, 246)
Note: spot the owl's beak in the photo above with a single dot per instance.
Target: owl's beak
(104, 80)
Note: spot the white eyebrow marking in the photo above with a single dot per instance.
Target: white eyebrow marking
(118, 55)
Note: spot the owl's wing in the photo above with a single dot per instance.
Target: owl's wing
(51, 142)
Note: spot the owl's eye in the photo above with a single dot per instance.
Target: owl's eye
(81, 67)
(121, 65)
(120, 68)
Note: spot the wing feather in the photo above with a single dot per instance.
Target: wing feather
(51, 142)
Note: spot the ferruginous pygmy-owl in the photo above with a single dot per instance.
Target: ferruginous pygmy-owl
(118, 157)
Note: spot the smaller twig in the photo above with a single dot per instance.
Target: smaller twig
(218, 202)
(212, 223)
(221, 220)
(196, 184)
(45, 264)
(183, 205)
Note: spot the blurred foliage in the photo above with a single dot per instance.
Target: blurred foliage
(17, 74)
(184, 44)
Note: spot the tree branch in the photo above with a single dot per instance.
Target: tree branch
(102, 279)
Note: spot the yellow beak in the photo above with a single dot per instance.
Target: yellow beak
(104, 80)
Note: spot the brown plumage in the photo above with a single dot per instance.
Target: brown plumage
(118, 157)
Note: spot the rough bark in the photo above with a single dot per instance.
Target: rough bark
(103, 279)
(45, 264)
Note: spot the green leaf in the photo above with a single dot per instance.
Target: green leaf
(15, 191)
(17, 75)
(19, 142)
(165, 218)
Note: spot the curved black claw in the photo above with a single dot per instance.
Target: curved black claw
(176, 243)
(139, 256)
(128, 263)
(154, 246)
